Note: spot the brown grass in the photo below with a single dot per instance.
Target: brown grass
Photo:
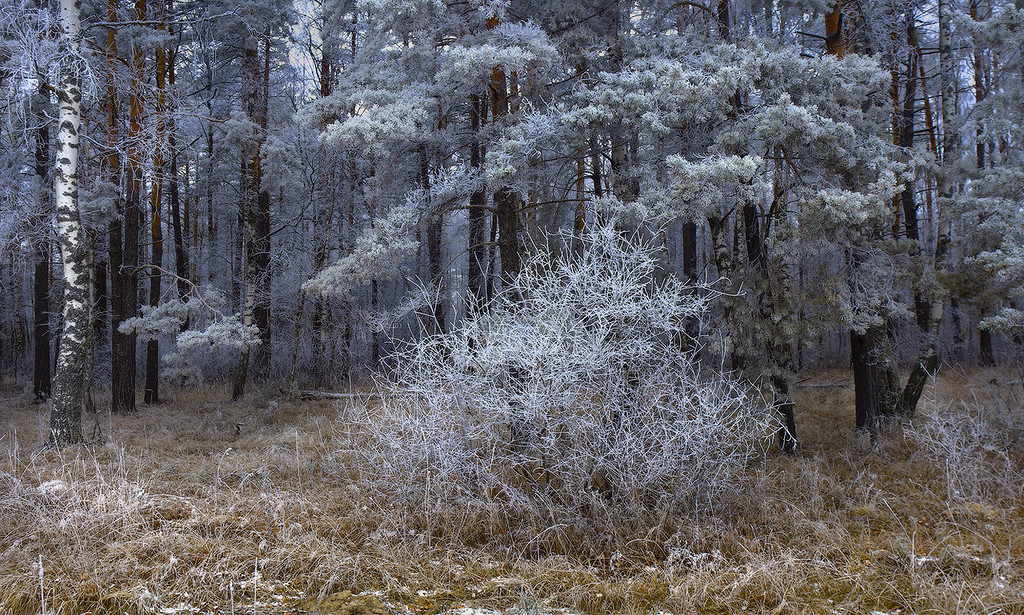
(207, 503)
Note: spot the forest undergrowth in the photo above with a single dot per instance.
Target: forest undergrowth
(202, 503)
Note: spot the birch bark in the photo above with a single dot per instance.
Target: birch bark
(66, 414)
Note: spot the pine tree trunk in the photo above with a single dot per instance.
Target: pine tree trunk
(835, 41)
(88, 404)
(179, 227)
(620, 162)
(928, 362)
(435, 254)
(212, 238)
(41, 378)
(124, 345)
(181, 256)
(777, 352)
(152, 389)
(506, 201)
(255, 203)
(101, 293)
(579, 218)
(322, 238)
(595, 167)
(66, 415)
(259, 258)
(987, 355)
(41, 313)
(865, 399)
(909, 203)
(477, 273)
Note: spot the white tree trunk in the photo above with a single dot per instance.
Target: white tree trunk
(66, 415)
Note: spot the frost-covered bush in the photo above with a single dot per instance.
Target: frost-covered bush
(978, 447)
(577, 394)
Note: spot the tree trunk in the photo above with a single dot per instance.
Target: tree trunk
(910, 223)
(876, 385)
(777, 352)
(212, 239)
(181, 256)
(435, 254)
(255, 216)
(90, 343)
(101, 292)
(506, 201)
(259, 258)
(865, 400)
(477, 272)
(928, 362)
(987, 355)
(322, 238)
(124, 359)
(579, 218)
(41, 380)
(152, 389)
(835, 41)
(66, 415)
(619, 155)
(41, 359)
(595, 167)
(179, 227)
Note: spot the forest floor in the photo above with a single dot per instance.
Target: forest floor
(201, 504)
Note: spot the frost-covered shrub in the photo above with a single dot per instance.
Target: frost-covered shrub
(978, 447)
(574, 395)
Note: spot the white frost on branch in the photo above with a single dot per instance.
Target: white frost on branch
(377, 255)
(381, 117)
(169, 317)
(697, 187)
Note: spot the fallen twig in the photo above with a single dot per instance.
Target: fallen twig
(823, 385)
(309, 394)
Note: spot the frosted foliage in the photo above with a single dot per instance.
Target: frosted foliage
(159, 319)
(697, 186)
(399, 6)
(586, 394)
(225, 333)
(874, 291)
(382, 117)
(17, 202)
(515, 47)
(629, 215)
(1008, 319)
(829, 210)
(171, 315)
(219, 332)
(281, 163)
(378, 254)
(31, 48)
(98, 204)
(241, 134)
(520, 146)
(1005, 265)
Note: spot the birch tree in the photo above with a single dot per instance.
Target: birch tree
(66, 415)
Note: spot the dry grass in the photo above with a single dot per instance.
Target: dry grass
(204, 502)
